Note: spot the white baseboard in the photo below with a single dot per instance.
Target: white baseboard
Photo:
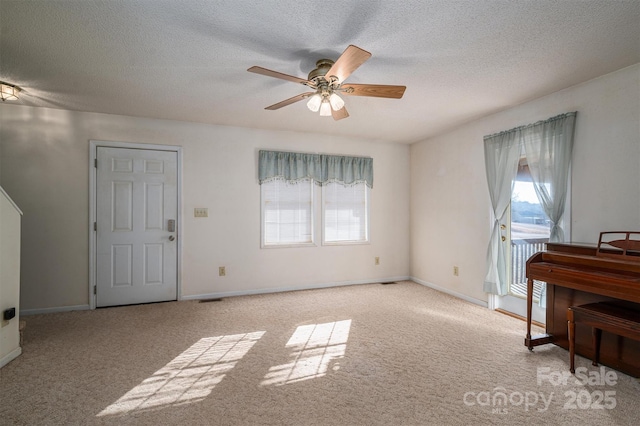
(451, 293)
(24, 312)
(283, 289)
(10, 356)
(217, 295)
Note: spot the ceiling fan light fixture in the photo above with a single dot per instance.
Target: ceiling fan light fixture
(8, 92)
(336, 102)
(325, 109)
(314, 102)
(326, 81)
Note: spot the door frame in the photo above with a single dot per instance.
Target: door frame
(493, 301)
(93, 152)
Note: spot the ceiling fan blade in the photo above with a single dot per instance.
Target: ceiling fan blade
(290, 101)
(276, 74)
(339, 114)
(376, 90)
(351, 58)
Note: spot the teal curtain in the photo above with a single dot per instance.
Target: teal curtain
(322, 169)
(501, 156)
(547, 145)
(289, 166)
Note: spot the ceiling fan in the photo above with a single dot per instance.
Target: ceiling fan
(327, 80)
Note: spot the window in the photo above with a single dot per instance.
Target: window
(287, 213)
(289, 204)
(345, 213)
(529, 231)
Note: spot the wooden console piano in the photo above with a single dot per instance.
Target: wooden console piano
(577, 274)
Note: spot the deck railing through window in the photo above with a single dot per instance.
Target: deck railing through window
(521, 250)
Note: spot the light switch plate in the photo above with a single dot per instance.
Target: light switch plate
(201, 212)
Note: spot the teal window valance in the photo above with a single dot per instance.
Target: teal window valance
(321, 168)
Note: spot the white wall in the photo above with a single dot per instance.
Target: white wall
(9, 278)
(450, 208)
(45, 166)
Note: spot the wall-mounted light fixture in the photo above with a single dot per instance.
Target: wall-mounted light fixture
(8, 92)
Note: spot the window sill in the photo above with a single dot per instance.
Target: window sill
(277, 246)
(345, 243)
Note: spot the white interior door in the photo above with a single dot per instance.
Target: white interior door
(136, 236)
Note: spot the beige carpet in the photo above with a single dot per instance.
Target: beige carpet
(398, 354)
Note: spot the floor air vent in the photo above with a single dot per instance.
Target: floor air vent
(210, 300)
(387, 283)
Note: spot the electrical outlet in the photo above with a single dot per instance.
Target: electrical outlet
(201, 212)
(222, 271)
(377, 260)
(456, 271)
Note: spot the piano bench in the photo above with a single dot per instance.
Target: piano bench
(601, 316)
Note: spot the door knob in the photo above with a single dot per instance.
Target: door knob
(171, 238)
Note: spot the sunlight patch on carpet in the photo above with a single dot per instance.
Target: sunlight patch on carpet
(314, 347)
(189, 377)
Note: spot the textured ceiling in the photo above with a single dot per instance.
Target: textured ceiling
(187, 59)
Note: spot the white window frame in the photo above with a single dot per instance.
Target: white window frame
(263, 243)
(367, 240)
